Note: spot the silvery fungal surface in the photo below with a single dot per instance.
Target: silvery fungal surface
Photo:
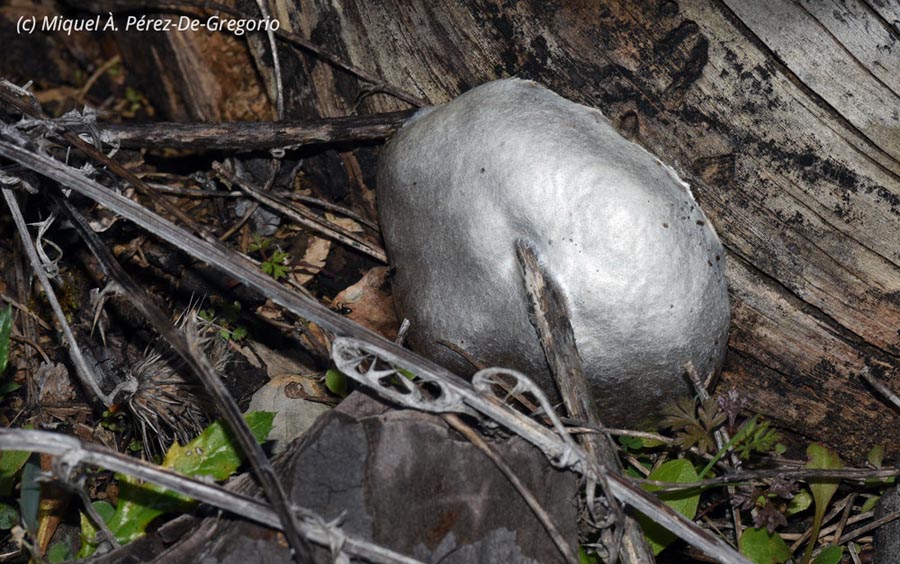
(641, 268)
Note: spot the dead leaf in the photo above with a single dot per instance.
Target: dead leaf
(314, 260)
(369, 303)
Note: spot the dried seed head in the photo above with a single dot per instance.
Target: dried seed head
(165, 400)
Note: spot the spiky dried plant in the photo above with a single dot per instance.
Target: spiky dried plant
(164, 399)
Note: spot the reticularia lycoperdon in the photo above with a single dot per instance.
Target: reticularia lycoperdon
(639, 265)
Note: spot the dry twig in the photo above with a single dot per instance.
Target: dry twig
(303, 216)
(550, 316)
(82, 369)
(252, 136)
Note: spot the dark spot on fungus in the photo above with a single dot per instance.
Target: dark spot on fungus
(482, 169)
(666, 225)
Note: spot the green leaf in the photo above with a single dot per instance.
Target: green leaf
(139, 505)
(830, 555)
(336, 382)
(9, 517)
(89, 531)
(631, 443)
(870, 503)
(30, 493)
(259, 243)
(876, 456)
(231, 311)
(104, 509)
(800, 502)
(5, 330)
(9, 387)
(653, 443)
(11, 461)
(762, 547)
(693, 424)
(820, 458)
(213, 454)
(585, 558)
(59, 552)
(755, 436)
(685, 502)
(876, 460)
(276, 266)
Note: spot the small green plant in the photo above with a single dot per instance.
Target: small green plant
(757, 436)
(113, 421)
(275, 265)
(694, 424)
(225, 319)
(753, 436)
(820, 458)
(259, 244)
(875, 460)
(133, 98)
(212, 455)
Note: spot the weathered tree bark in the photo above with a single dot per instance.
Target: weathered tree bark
(782, 115)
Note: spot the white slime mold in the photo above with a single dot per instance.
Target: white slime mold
(639, 264)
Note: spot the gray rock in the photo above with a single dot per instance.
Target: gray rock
(887, 536)
(409, 482)
(638, 261)
(293, 415)
(403, 479)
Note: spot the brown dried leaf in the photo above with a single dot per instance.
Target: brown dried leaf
(369, 302)
(313, 259)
